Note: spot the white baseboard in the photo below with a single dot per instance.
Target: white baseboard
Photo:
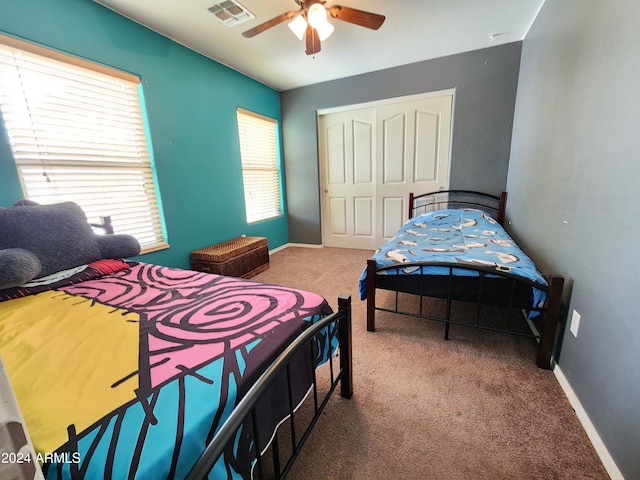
(608, 462)
(304, 245)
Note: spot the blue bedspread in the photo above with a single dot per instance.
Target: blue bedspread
(458, 236)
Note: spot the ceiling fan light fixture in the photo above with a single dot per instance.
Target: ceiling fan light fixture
(317, 18)
(316, 15)
(298, 26)
(310, 22)
(324, 30)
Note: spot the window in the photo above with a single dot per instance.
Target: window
(260, 152)
(78, 133)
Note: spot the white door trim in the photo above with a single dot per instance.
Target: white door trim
(387, 101)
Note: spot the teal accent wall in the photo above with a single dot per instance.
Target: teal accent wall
(191, 106)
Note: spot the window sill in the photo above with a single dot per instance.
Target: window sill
(154, 248)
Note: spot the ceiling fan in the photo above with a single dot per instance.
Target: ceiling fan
(310, 22)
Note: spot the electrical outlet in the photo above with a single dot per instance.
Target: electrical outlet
(575, 323)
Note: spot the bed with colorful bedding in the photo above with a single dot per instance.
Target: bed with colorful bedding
(128, 370)
(454, 247)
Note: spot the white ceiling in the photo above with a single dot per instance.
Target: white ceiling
(414, 30)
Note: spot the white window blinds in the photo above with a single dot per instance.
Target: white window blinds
(259, 149)
(78, 133)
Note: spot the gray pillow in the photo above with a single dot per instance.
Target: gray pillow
(38, 240)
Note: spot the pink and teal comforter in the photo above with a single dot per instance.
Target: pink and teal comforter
(127, 370)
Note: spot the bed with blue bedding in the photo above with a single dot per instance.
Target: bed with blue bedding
(454, 247)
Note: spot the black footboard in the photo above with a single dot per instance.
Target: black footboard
(487, 287)
(280, 373)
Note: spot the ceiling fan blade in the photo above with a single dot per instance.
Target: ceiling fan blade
(358, 17)
(270, 23)
(312, 40)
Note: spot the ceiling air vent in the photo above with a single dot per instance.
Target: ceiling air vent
(231, 12)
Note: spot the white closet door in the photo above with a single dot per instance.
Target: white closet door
(372, 158)
(347, 146)
(413, 147)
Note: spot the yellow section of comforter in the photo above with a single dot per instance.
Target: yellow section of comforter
(63, 362)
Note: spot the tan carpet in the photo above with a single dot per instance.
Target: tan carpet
(473, 407)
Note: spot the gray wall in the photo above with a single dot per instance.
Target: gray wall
(574, 198)
(485, 82)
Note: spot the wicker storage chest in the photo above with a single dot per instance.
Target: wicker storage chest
(240, 257)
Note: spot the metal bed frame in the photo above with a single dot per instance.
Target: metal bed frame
(246, 408)
(489, 286)
(339, 326)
